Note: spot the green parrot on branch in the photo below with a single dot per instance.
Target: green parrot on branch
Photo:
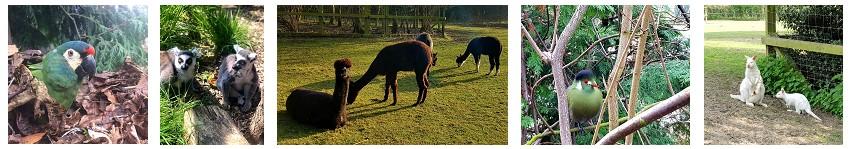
(585, 97)
(63, 69)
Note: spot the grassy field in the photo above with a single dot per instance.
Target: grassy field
(463, 107)
(729, 121)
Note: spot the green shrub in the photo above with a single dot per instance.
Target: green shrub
(816, 23)
(829, 99)
(734, 12)
(115, 32)
(198, 26)
(779, 72)
(653, 84)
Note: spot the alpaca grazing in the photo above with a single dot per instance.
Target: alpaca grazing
(489, 46)
(322, 109)
(426, 38)
(406, 56)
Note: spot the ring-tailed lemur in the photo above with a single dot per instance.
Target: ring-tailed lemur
(238, 80)
(177, 66)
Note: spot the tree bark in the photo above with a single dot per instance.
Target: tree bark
(556, 60)
(558, 74)
(660, 110)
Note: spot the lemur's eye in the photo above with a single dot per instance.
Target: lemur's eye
(179, 60)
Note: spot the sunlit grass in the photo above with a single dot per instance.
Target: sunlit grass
(463, 107)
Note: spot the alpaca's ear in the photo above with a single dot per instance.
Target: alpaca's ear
(754, 57)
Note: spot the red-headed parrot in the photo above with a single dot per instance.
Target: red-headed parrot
(585, 97)
(64, 68)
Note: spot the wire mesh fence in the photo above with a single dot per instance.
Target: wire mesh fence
(818, 23)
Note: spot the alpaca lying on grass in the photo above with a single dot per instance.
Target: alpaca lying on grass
(406, 56)
(489, 46)
(321, 109)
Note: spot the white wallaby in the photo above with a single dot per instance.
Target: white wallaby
(752, 87)
(799, 101)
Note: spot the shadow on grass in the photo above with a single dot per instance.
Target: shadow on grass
(288, 128)
(367, 113)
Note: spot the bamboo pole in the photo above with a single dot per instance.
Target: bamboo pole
(614, 76)
(646, 16)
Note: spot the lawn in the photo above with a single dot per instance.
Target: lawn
(729, 121)
(463, 107)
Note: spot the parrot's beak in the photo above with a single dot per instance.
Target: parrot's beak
(87, 67)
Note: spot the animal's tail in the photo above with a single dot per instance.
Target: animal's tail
(736, 97)
(813, 114)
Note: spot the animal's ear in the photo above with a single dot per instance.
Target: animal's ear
(196, 52)
(754, 57)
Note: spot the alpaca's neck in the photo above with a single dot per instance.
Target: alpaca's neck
(341, 90)
(360, 83)
(465, 55)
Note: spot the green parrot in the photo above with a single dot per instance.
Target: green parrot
(585, 97)
(63, 69)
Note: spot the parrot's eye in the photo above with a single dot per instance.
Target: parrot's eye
(70, 53)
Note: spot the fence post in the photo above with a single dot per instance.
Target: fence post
(770, 26)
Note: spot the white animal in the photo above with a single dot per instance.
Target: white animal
(799, 101)
(752, 87)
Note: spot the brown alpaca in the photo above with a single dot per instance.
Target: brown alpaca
(406, 56)
(320, 109)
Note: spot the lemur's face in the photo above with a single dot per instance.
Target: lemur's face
(185, 61)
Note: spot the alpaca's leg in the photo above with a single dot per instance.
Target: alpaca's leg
(492, 64)
(392, 84)
(395, 90)
(386, 88)
(477, 62)
(422, 81)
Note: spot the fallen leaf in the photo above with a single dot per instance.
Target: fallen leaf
(32, 139)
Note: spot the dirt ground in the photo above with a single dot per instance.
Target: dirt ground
(730, 121)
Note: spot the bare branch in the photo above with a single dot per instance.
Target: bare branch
(543, 55)
(555, 29)
(660, 110)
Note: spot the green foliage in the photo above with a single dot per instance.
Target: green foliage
(172, 106)
(830, 98)
(779, 72)
(190, 26)
(735, 12)
(115, 32)
(653, 83)
(816, 23)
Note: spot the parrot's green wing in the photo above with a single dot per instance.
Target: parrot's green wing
(60, 79)
(584, 102)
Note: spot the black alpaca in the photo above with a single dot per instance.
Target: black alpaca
(322, 109)
(406, 56)
(489, 46)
